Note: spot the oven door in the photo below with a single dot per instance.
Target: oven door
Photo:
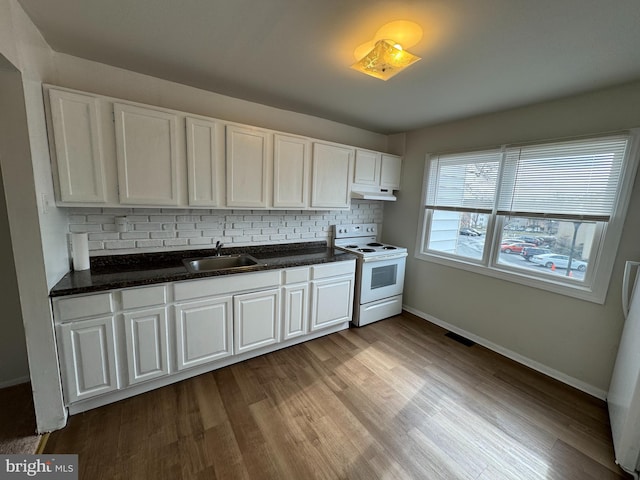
(381, 278)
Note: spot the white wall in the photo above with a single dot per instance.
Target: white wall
(577, 340)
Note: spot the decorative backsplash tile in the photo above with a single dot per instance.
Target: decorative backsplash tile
(170, 229)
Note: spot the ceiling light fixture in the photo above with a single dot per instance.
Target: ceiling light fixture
(383, 57)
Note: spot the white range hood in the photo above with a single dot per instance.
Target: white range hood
(373, 194)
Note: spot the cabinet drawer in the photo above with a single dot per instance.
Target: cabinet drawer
(332, 269)
(225, 284)
(295, 275)
(143, 297)
(70, 308)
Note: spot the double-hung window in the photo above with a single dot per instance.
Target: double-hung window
(547, 215)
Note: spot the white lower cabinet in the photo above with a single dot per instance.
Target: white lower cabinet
(332, 287)
(256, 319)
(145, 334)
(295, 302)
(204, 331)
(331, 301)
(123, 342)
(88, 357)
(295, 315)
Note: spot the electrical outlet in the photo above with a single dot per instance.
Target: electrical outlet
(121, 224)
(44, 203)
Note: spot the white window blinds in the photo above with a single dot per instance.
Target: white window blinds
(464, 182)
(577, 179)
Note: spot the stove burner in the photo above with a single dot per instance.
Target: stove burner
(366, 250)
(374, 244)
(389, 247)
(351, 246)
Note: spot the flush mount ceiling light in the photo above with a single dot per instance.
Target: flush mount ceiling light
(384, 56)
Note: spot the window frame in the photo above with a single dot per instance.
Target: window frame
(606, 240)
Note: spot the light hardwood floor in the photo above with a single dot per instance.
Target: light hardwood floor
(396, 399)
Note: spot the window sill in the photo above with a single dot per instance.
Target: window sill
(582, 292)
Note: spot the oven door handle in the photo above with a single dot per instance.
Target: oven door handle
(383, 258)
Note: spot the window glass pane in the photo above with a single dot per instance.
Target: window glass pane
(579, 178)
(464, 181)
(458, 233)
(548, 247)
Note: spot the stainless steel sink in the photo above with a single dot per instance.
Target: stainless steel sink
(222, 262)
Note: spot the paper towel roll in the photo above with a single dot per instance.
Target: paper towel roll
(80, 251)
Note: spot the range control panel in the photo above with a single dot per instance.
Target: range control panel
(357, 230)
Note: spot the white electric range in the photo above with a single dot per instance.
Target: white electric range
(379, 272)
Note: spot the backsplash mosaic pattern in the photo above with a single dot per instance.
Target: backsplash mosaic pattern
(171, 229)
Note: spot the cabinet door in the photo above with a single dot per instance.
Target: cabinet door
(203, 331)
(147, 155)
(291, 159)
(147, 347)
(256, 320)
(205, 162)
(331, 301)
(88, 358)
(331, 176)
(391, 171)
(78, 147)
(296, 310)
(367, 168)
(248, 155)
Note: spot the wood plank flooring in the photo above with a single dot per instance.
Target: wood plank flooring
(393, 400)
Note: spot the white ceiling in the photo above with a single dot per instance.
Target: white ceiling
(478, 56)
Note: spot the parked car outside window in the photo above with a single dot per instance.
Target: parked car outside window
(530, 239)
(554, 260)
(515, 247)
(529, 252)
(471, 232)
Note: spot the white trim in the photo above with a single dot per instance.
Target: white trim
(562, 288)
(14, 381)
(537, 366)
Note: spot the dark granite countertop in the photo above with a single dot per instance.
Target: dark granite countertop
(121, 271)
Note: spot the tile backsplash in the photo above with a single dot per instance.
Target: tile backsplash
(152, 229)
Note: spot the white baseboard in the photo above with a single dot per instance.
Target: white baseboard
(15, 381)
(562, 377)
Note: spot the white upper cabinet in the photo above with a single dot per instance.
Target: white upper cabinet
(331, 176)
(78, 149)
(390, 172)
(112, 152)
(367, 168)
(379, 170)
(147, 153)
(248, 158)
(205, 162)
(291, 171)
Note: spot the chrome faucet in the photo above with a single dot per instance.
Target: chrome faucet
(218, 247)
